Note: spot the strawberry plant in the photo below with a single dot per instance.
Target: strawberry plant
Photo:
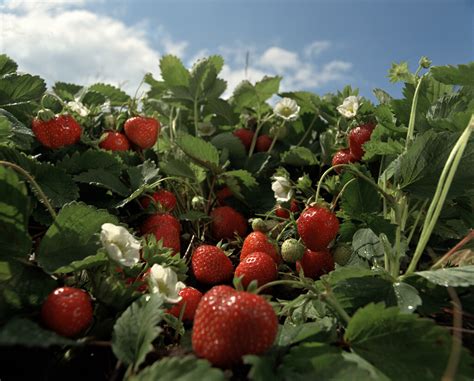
(126, 242)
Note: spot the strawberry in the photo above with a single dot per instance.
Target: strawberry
(223, 194)
(158, 220)
(294, 207)
(190, 300)
(259, 225)
(317, 227)
(282, 212)
(292, 250)
(226, 222)
(165, 198)
(258, 241)
(230, 324)
(142, 131)
(263, 143)
(67, 311)
(341, 254)
(169, 235)
(257, 266)
(315, 263)
(60, 131)
(245, 136)
(357, 137)
(115, 141)
(211, 265)
(343, 156)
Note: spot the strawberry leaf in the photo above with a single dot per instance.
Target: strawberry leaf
(201, 152)
(7, 65)
(299, 156)
(451, 276)
(454, 75)
(73, 236)
(186, 368)
(173, 71)
(116, 96)
(377, 333)
(135, 330)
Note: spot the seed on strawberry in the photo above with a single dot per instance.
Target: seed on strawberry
(315, 263)
(226, 222)
(343, 156)
(67, 311)
(190, 300)
(60, 131)
(230, 324)
(211, 265)
(317, 227)
(257, 266)
(115, 141)
(142, 131)
(263, 143)
(258, 241)
(158, 220)
(358, 137)
(292, 250)
(245, 136)
(164, 198)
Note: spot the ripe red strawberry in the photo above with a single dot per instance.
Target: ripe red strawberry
(142, 131)
(315, 263)
(223, 194)
(67, 311)
(230, 324)
(282, 212)
(226, 222)
(165, 198)
(257, 266)
(190, 300)
(245, 137)
(169, 235)
(343, 156)
(60, 131)
(357, 137)
(210, 265)
(294, 207)
(158, 220)
(317, 227)
(263, 143)
(115, 141)
(259, 242)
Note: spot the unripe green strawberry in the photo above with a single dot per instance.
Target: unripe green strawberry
(342, 254)
(259, 225)
(292, 250)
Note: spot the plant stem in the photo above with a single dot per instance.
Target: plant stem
(415, 224)
(35, 185)
(441, 193)
(273, 143)
(293, 283)
(456, 346)
(334, 203)
(329, 298)
(411, 123)
(196, 117)
(308, 131)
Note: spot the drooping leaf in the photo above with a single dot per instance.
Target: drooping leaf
(135, 330)
(66, 91)
(104, 179)
(200, 151)
(176, 167)
(366, 244)
(115, 95)
(7, 65)
(74, 236)
(90, 159)
(408, 298)
(359, 198)
(450, 276)
(377, 333)
(243, 177)
(19, 135)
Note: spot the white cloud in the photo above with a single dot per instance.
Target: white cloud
(316, 48)
(279, 59)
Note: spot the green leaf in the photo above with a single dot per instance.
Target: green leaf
(450, 276)
(91, 159)
(267, 87)
(91, 261)
(317, 361)
(308, 102)
(7, 65)
(200, 151)
(104, 179)
(378, 335)
(378, 148)
(225, 114)
(56, 184)
(73, 236)
(116, 96)
(263, 367)
(173, 71)
(193, 215)
(360, 197)
(135, 330)
(355, 287)
(187, 368)
(92, 98)
(25, 333)
(14, 213)
(230, 143)
(15, 88)
(408, 298)
(20, 135)
(66, 91)
(454, 75)
(366, 244)
(176, 167)
(243, 176)
(299, 156)
(321, 330)
(382, 96)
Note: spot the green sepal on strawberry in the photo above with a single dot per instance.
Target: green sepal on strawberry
(67, 311)
(142, 131)
(257, 266)
(210, 265)
(58, 131)
(230, 324)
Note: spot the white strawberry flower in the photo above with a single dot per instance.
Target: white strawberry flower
(282, 189)
(349, 107)
(121, 246)
(78, 107)
(164, 281)
(287, 109)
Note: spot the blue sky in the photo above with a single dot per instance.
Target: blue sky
(317, 45)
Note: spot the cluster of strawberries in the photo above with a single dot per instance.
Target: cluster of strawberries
(246, 136)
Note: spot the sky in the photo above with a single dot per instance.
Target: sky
(316, 45)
